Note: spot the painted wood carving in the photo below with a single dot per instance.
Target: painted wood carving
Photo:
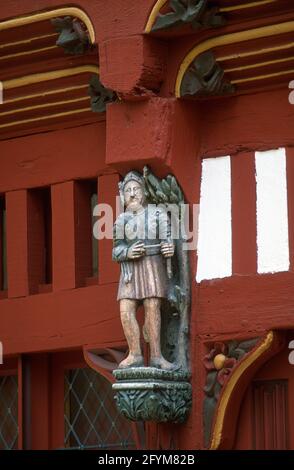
(198, 13)
(155, 273)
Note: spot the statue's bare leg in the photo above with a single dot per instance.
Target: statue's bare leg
(128, 309)
(153, 325)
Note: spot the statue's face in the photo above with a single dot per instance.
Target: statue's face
(133, 195)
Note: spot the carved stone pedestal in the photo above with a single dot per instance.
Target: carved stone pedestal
(150, 394)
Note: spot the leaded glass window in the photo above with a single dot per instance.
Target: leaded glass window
(91, 418)
(3, 249)
(8, 412)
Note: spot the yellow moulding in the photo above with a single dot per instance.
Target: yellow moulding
(43, 118)
(27, 41)
(48, 15)
(45, 93)
(259, 64)
(47, 76)
(259, 3)
(44, 105)
(153, 15)
(30, 52)
(227, 39)
(230, 386)
(160, 3)
(265, 50)
(262, 77)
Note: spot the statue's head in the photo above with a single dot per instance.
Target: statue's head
(132, 189)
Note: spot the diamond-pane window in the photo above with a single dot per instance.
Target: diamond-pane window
(8, 412)
(91, 418)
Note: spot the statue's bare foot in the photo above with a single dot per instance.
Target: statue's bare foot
(161, 363)
(131, 361)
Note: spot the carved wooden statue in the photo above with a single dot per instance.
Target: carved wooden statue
(154, 271)
(142, 244)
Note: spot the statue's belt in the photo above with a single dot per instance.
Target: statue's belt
(127, 266)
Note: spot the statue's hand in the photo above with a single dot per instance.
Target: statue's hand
(137, 250)
(167, 249)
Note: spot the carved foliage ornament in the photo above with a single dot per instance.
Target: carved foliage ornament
(198, 13)
(205, 77)
(220, 362)
(148, 394)
(100, 96)
(73, 36)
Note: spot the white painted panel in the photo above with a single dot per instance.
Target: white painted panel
(272, 211)
(215, 220)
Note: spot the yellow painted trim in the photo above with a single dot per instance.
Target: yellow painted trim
(27, 41)
(45, 93)
(262, 77)
(47, 76)
(259, 64)
(48, 15)
(153, 15)
(43, 118)
(259, 3)
(230, 386)
(43, 105)
(227, 39)
(160, 3)
(23, 53)
(266, 50)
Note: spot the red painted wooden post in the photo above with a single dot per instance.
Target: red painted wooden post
(63, 236)
(40, 393)
(17, 243)
(244, 250)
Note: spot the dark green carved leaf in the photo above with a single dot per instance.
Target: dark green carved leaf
(165, 187)
(205, 77)
(210, 383)
(238, 353)
(73, 38)
(209, 406)
(248, 345)
(156, 405)
(100, 96)
(231, 347)
(198, 13)
(194, 11)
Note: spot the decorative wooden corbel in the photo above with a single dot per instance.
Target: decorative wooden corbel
(230, 368)
(104, 361)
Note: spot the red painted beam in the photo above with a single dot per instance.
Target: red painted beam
(61, 320)
(44, 159)
(243, 304)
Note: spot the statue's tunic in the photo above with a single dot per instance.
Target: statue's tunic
(144, 277)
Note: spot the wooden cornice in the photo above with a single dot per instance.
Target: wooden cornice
(231, 11)
(255, 58)
(43, 85)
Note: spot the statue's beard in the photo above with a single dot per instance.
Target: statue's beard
(134, 205)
